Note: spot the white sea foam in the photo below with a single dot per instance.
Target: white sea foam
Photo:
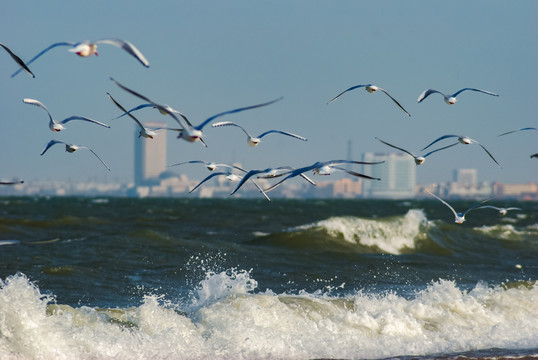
(509, 232)
(391, 235)
(227, 320)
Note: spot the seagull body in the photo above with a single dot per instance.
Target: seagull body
(18, 60)
(463, 140)
(502, 211)
(269, 173)
(255, 140)
(459, 217)
(145, 132)
(190, 133)
(419, 160)
(450, 99)
(211, 166)
(71, 148)
(513, 131)
(55, 125)
(371, 89)
(89, 48)
(326, 168)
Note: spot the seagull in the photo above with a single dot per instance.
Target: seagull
(450, 99)
(253, 140)
(71, 148)
(209, 164)
(232, 177)
(502, 211)
(59, 125)
(326, 168)
(270, 173)
(168, 110)
(89, 48)
(190, 133)
(144, 131)
(535, 156)
(370, 88)
(459, 217)
(11, 182)
(18, 60)
(419, 160)
(463, 140)
(513, 131)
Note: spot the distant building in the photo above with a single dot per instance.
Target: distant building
(466, 177)
(150, 157)
(397, 174)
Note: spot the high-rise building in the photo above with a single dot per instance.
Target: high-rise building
(397, 174)
(150, 156)
(466, 177)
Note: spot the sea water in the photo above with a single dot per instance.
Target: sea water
(84, 278)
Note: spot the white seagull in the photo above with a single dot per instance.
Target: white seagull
(419, 160)
(269, 174)
(370, 88)
(55, 125)
(513, 131)
(450, 99)
(459, 217)
(232, 177)
(190, 133)
(71, 148)
(502, 211)
(326, 168)
(255, 140)
(149, 133)
(89, 48)
(463, 140)
(168, 110)
(209, 165)
(18, 60)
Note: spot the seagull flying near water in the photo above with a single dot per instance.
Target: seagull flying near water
(89, 48)
(255, 140)
(370, 88)
(269, 174)
(211, 166)
(71, 148)
(144, 131)
(513, 131)
(462, 139)
(55, 125)
(326, 168)
(502, 211)
(232, 177)
(419, 160)
(190, 133)
(450, 99)
(18, 60)
(459, 217)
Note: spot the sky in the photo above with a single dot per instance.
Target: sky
(213, 56)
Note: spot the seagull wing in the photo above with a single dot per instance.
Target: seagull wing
(97, 156)
(126, 112)
(229, 123)
(513, 131)
(491, 156)
(355, 173)
(247, 176)
(75, 117)
(51, 143)
(474, 206)
(18, 60)
(447, 204)
(444, 147)
(142, 106)
(471, 89)
(427, 93)
(127, 46)
(439, 139)
(44, 51)
(39, 104)
(345, 91)
(207, 121)
(396, 102)
(210, 176)
(396, 147)
(283, 133)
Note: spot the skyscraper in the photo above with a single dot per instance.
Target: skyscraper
(150, 156)
(398, 176)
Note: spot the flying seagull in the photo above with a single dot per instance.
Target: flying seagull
(513, 131)
(144, 131)
(190, 133)
(232, 177)
(11, 182)
(255, 140)
(18, 60)
(89, 48)
(370, 88)
(327, 168)
(211, 166)
(419, 160)
(55, 125)
(71, 148)
(502, 211)
(459, 217)
(450, 99)
(270, 173)
(463, 140)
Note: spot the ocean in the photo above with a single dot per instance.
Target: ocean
(125, 278)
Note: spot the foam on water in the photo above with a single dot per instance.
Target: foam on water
(509, 232)
(391, 235)
(227, 319)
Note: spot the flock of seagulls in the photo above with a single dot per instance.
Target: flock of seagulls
(193, 133)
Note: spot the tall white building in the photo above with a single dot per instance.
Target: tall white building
(398, 176)
(150, 156)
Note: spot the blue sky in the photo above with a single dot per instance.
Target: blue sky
(212, 56)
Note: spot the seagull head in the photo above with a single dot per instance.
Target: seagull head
(371, 88)
(451, 100)
(252, 141)
(419, 160)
